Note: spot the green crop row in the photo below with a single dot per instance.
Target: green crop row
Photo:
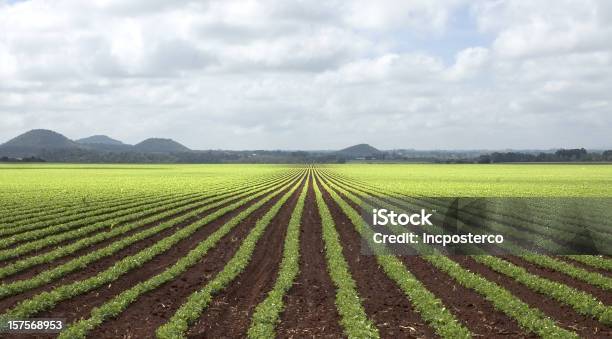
(116, 231)
(38, 229)
(267, 313)
(593, 278)
(116, 305)
(53, 274)
(431, 309)
(80, 212)
(48, 211)
(582, 302)
(544, 261)
(55, 239)
(195, 304)
(546, 228)
(593, 261)
(48, 299)
(88, 224)
(547, 218)
(105, 225)
(530, 319)
(353, 317)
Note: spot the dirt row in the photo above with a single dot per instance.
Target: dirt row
(601, 271)
(28, 273)
(251, 286)
(97, 266)
(142, 318)
(310, 310)
(478, 314)
(118, 209)
(163, 302)
(81, 305)
(564, 315)
(37, 269)
(32, 271)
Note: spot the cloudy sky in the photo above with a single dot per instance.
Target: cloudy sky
(281, 74)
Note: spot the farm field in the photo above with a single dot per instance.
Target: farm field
(171, 251)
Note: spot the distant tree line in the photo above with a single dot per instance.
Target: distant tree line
(562, 155)
(194, 157)
(26, 159)
(300, 157)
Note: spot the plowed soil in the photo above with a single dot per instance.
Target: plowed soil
(310, 309)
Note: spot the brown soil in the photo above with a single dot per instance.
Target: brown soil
(474, 311)
(76, 307)
(28, 273)
(385, 304)
(166, 299)
(214, 198)
(310, 309)
(74, 227)
(70, 241)
(229, 314)
(118, 201)
(599, 293)
(602, 271)
(565, 316)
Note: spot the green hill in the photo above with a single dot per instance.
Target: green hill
(361, 150)
(158, 145)
(34, 142)
(99, 139)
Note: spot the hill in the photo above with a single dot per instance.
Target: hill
(99, 139)
(361, 150)
(158, 145)
(34, 142)
(41, 138)
(104, 143)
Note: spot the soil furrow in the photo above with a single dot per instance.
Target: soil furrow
(69, 241)
(385, 304)
(166, 299)
(229, 314)
(601, 271)
(310, 309)
(565, 316)
(473, 310)
(105, 215)
(154, 265)
(28, 273)
(602, 295)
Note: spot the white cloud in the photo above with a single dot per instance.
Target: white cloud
(544, 28)
(389, 67)
(307, 74)
(468, 63)
(420, 15)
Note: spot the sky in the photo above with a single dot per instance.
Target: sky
(278, 74)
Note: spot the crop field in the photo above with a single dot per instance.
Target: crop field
(262, 251)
